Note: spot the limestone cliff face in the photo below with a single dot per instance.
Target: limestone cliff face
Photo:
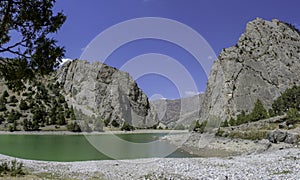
(102, 91)
(265, 62)
(178, 111)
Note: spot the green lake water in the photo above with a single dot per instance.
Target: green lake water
(87, 147)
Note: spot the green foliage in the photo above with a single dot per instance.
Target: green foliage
(271, 113)
(258, 112)
(232, 121)
(74, 127)
(194, 125)
(61, 120)
(127, 127)
(72, 114)
(12, 168)
(2, 119)
(225, 124)
(30, 44)
(2, 104)
(242, 118)
(220, 132)
(250, 135)
(5, 94)
(13, 116)
(293, 116)
(106, 122)
(61, 99)
(114, 123)
(23, 105)
(290, 98)
(201, 128)
(42, 92)
(13, 99)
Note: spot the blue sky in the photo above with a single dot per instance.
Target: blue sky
(219, 22)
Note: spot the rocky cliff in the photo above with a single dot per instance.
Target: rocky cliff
(178, 111)
(102, 91)
(264, 62)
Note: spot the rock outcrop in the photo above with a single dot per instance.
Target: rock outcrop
(282, 136)
(178, 111)
(98, 90)
(264, 62)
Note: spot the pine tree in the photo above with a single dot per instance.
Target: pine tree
(25, 45)
(258, 112)
(225, 124)
(23, 105)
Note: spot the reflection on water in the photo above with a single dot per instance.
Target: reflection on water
(79, 148)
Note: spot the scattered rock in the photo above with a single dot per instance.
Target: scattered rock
(291, 138)
(282, 125)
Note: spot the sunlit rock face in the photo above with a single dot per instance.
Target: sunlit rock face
(98, 90)
(264, 62)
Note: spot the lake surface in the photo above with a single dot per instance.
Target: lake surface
(88, 147)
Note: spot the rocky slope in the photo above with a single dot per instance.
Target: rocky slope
(264, 62)
(102, 91)
(178, 111)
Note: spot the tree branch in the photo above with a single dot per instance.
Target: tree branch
(12, 46)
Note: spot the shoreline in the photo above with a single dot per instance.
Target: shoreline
(275, 164)
(146, 131)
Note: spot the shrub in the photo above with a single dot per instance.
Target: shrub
(5, 94)
(23, 105)
(220, 132)
(13, 116)
(224, 124)
(194, 125)
(114, 123)
(202, 127)
(13, 168)
(106, 122)
(251, 135)
(127, 127)
(60, 119)
(13, 99)
(271, 113)
(258, 112)
(2, 105)
(74, 127)
(293, 116)
(242, 118)
(2, 119)
(232, 121)
(290, 98)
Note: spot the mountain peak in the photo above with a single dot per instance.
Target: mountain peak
(264, 62)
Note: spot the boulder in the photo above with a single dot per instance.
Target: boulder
(282, 136)
(276, 136)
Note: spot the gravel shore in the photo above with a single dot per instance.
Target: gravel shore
(277, 164)
(222, 158)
